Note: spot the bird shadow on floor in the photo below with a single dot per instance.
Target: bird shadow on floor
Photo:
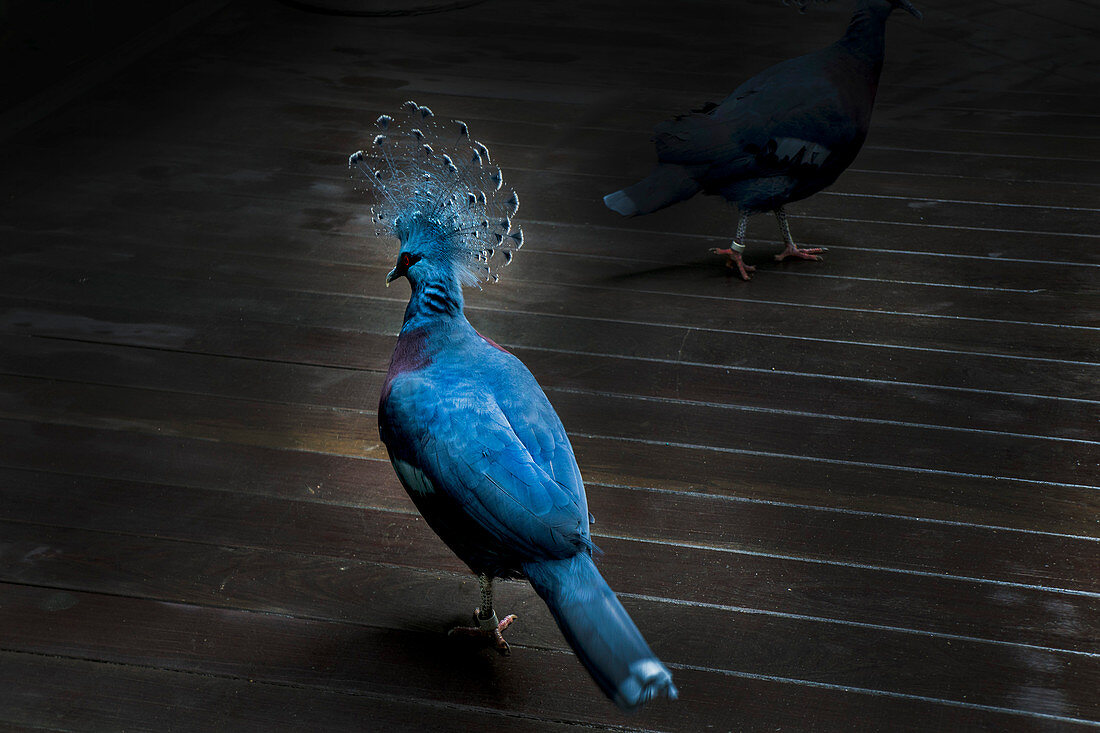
(388, 657)
(433, 666)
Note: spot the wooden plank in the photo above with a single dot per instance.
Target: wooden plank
(1049, 369)
(898, 280)
(772, 528)
(607, 145)
(720, 67)
(260, 80)
(346, 658)
(578, 43)
(382, 596)
(886, 171)
(627, 103)
(922, 282)
(610, 464)
(605, 153)
(342, 383)
(888, 224)
(933, 603)
(817, 438)
(576, 197)
(191, 330)
(752, 641)
(555, 196)
(244, 167)
(767, 476)
(564, 239)
(661, 298)
(334, 119)
(335, 264)
(716, 279)
(86, 695)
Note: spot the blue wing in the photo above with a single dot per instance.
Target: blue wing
(506, 462)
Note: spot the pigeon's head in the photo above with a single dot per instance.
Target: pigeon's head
(435, 189)
(422, 257)
(434, 249)
(907, 7)
(405, 263)
(892, 4)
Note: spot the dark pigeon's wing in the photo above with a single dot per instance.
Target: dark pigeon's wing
(784, 118)
(466, 446)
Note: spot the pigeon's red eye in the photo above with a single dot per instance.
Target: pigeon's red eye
(406, 261)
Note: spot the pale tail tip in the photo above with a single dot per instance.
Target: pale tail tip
(648, 679)
(620, 203)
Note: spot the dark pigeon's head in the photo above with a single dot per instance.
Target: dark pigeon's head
(894, 4)
(907, 7)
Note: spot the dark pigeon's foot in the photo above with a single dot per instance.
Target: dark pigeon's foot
(489, 630)
(733, 260)
(810, 253)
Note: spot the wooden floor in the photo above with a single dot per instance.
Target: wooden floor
(861, 494)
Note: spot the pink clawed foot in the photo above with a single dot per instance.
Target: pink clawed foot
(488, 629)
(733, 259)
(810, 253)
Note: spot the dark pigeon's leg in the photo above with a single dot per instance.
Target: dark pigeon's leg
(486, 625)
(737, 246)
(792, 250)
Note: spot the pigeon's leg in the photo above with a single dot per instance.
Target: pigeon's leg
(792, 250)
(486, 625)
(737, 246)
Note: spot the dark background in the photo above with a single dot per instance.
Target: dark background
(854, 494)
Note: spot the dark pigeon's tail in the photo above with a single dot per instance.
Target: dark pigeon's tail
(666, 185)
(601, 633)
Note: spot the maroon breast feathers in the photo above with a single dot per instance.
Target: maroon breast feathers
(409, 355)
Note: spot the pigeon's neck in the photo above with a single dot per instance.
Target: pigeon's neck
(866, 34)
(434, 299)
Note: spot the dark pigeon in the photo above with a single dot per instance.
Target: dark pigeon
(782, 136)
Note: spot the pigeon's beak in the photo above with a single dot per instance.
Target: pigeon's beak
(391, 276)
(908, 7)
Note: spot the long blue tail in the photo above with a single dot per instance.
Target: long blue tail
(601, 633)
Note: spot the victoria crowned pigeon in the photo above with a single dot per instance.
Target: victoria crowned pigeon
(471, 435)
